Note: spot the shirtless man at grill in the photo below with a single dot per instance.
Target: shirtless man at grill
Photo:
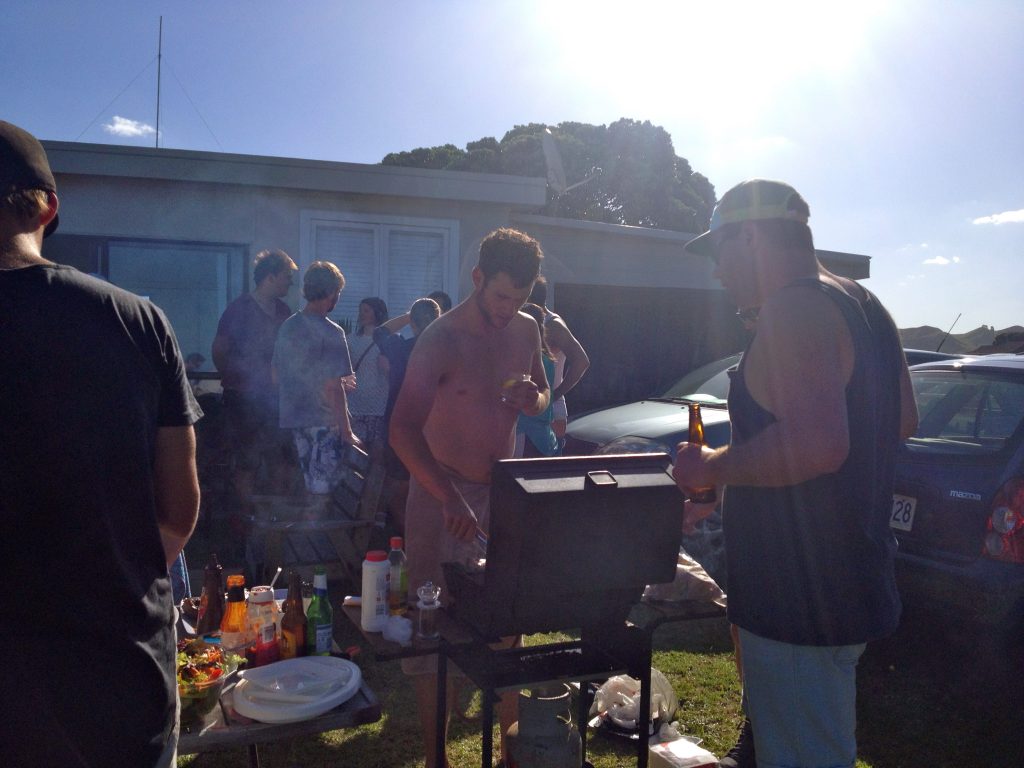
(472, 372)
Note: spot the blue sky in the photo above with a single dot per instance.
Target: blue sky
(902, 123)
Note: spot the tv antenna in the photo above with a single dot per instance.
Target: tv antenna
(556, 172)
(159, 57)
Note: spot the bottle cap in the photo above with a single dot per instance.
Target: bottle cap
(396, 542)
(376, 555)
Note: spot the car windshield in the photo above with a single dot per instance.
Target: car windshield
(966, 412)
(708, 384)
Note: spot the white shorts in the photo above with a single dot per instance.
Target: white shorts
(558, 410)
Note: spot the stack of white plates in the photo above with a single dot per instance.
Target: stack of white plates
(295, 689)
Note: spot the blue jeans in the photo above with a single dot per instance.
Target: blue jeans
(178, 572)
(801, 701)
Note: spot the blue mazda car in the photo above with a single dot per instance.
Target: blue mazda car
(958, 508)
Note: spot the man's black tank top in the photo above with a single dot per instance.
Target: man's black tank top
(812, 564)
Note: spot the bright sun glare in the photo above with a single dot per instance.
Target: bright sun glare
(728, 60)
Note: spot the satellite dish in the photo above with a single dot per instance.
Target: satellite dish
(556, 173)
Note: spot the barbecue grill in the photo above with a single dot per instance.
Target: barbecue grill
(573, 541)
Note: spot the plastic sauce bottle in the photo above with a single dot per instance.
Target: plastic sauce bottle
(376, 577)
(293, 622)
(398, 587)
(264, 647)
(319, 617)
(696, 436)
(234, 628)
(211, 604)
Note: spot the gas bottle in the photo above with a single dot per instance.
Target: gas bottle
(544, 736)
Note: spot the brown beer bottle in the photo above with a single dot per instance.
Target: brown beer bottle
(699, 495)
(211, 604)
(293, 622)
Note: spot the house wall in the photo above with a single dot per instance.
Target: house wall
(646, 311)
(254, 217)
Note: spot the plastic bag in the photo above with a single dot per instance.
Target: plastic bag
(618, 700)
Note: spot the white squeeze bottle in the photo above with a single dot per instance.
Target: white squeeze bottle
(376, 579)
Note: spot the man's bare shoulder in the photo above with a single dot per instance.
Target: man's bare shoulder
(523, 323)
(798, 308)
(800, 329)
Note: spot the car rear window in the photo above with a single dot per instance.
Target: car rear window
(710, 382)
(966, 412)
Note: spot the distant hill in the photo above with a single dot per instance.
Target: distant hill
(927, 337)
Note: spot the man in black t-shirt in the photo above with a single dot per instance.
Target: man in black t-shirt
(98, 494)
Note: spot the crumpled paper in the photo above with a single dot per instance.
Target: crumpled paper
(691, 582)
(398, 629)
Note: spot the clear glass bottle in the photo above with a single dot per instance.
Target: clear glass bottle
(426, 625)
(319, 617)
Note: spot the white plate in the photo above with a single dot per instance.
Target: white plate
(295, 689)
(295, 680)
(903, 508)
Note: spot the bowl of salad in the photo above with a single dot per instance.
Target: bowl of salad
(203, 669)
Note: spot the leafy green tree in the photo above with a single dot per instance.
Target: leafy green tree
(635, 175)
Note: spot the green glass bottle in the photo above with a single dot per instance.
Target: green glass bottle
(319, 617)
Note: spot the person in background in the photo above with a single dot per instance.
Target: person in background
(571, 360)
(397, 348)
(313, 371)
(534, 435)
(807, 478)
(444, 301)
(366, 402)
(98, 495)
(472, 372)
(242, 350)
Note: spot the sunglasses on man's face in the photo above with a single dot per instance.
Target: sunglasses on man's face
(725, 233)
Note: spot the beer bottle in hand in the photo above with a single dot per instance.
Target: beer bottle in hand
(699, 495)
(293, 623)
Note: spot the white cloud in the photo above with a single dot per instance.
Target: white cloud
(942, 260)
(1006, 217)
(122, 126)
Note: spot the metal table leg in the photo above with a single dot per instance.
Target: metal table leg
(582, 714)
(487, 718)
(440, 723)
(254, 756)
